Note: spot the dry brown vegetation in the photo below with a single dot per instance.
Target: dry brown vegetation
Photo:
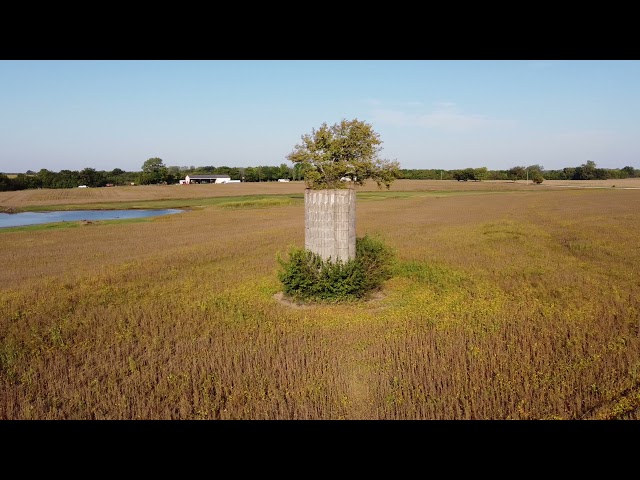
(143, 193)
(508, 301)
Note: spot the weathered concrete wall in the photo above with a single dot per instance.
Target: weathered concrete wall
(330, 223)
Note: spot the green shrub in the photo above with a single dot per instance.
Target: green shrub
(537, 178)
(307, 277)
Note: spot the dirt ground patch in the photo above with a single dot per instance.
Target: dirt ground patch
(288, 302)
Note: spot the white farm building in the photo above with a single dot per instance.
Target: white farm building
(207, 179)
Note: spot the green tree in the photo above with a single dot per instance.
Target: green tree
(92, 178)
(153, 171)
(284, 171)
(234, 173)
(299, 171)
(568, 173)
(516, 172)
(534, 173)
(480, 174)
(6, 184)
(68, 179)
(250, 174)
(586, 171)
(46, 178)
(174, 174)
(271, 173)
(348, 149)
(536, 176)
(602, 173)
(464, 175)
(23, 181)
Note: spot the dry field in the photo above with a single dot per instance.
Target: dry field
(508, 301)
(633, 183)
(122, 194)
(84, 196)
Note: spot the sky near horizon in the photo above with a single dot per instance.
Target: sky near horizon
(430, 114)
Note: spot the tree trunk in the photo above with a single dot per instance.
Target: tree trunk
(330, 223)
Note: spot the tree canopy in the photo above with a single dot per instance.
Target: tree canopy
(348, 149)
(152, 165)
(153, 171)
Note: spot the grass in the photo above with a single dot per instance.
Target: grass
(522, 305)
(70, 224)
(225, 202)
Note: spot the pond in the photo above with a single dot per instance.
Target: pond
(35, 218)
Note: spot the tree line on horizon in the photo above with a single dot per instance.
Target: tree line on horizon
(535, 173)
(154, 172)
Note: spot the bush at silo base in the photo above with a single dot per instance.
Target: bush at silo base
(306, 277)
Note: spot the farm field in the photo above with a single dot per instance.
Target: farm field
(31, 199)
(508, 301)
(28, 199)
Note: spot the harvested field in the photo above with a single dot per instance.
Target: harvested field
(80, 196)
(508, 301)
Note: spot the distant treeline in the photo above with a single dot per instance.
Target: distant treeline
(536, 173)
(154, 172)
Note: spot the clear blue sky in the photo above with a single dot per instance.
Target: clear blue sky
(440, 114)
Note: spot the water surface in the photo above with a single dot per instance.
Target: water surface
(36, 218)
